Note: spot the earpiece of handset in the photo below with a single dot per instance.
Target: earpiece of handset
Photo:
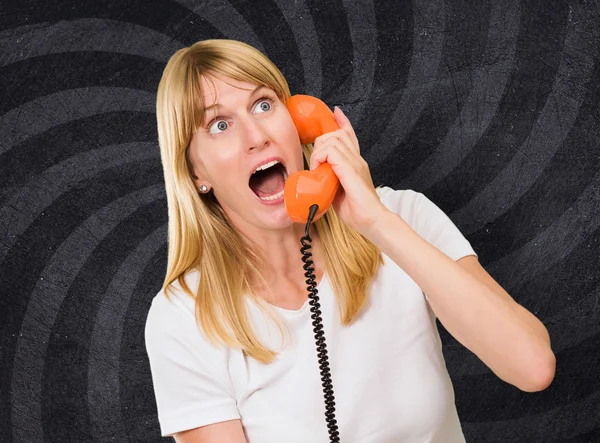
(302, 189)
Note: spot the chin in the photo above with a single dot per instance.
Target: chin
(279, 219)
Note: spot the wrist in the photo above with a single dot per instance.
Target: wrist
(378, 224)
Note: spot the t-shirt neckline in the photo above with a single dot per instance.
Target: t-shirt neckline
(305, 306)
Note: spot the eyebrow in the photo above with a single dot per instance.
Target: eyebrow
(218, 105)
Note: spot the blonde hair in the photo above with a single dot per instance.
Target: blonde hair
(200, 236)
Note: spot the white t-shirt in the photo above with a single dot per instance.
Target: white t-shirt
(388, 371)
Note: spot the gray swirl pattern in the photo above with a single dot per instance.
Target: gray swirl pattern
(492, 109)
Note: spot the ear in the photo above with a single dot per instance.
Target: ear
(194, 170)
(199, 181)
(197, 177)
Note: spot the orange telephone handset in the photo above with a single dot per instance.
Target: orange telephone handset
(302, 189)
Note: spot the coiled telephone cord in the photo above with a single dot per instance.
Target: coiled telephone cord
(332, 427)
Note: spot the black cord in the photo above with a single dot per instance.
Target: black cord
(334, 435)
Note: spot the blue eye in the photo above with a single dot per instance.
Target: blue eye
(263, 106)
(218, 127)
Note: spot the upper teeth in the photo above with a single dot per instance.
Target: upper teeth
(266, 166)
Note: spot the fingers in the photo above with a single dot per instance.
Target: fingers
(334, 154)
(339, 137)
(345, 135)
(345, 124)
(339, 148)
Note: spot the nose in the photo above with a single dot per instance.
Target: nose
(255, 134)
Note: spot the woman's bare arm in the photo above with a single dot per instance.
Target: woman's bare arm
(224, 432)
(472, 306)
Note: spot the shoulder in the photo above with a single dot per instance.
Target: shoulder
(394, 197)
(428, 220)
(189, 373)
(405, 202)
(174, 301)
(174, 340)
(172, 315)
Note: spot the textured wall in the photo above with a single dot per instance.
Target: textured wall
(491, 109)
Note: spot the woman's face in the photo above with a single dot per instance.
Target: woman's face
(246, 127)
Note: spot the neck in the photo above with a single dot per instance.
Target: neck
(281, 259)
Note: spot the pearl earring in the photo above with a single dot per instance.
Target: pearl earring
(204, 189)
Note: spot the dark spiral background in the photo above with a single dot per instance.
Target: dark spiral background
(491, 109)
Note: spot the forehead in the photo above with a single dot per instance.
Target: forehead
(219, 89)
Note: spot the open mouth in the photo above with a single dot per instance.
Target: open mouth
(268, 180)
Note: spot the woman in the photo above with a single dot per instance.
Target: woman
(229, 336)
